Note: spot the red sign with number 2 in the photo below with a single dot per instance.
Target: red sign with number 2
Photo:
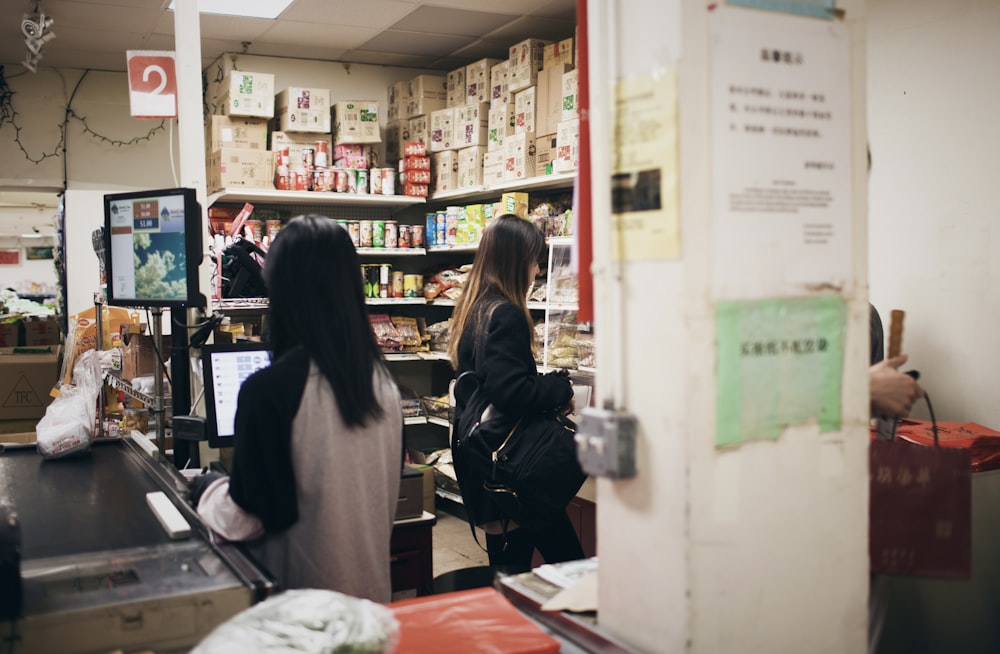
(152, 84)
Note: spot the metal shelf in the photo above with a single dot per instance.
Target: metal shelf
(448, 495)
(395, 300)
(544, 182)
(440, 422)
(391, 252)
(120, 384)
(469, 247)
(415, 420)
(310, 197)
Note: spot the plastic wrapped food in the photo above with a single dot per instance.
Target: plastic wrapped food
(306, 621)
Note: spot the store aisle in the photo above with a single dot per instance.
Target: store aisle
(453, 545)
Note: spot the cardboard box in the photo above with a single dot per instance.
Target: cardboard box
(397, 133)
(236, 132)
(248, 94)
(548, 99)
(515, 203)
(545, 152)
(296, 142)
(477, 81)
(444, 166)
(139, 356)
(420, 130)
(524, 110)
(560, 52)
(472, 123)
(525, 61)
(470, 166)
(10, 334)
(570, 106)
(499, 93)
(356, 121)
(25, 382)
(442, 130)
(427, 93)
(42, 331)
(455, 88)
(568, 144)
(519, 157)
(493, 167)
(500, 125)
(301, 109)
(399, 95)
(236, 168)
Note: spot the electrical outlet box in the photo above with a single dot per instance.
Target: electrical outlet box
(605, 443)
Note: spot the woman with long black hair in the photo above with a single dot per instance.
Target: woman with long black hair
(318, 449)
(492, 334)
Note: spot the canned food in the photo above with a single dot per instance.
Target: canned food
(281, 158)
(321, 157)
(441, 228)
(378, 233)
(404, 236)
(272, 227)
(257, 229)
(354, 229)
(365, 228)
(397, 283)
(388, 181)
(340, 180)
(412, 285)
(391, 234)
(431, 233)
(281, 181)
(308, 157)
(319, 180)
(417, 236)
(384, 279)
(362, 181)
(375, 181)
(352, 180)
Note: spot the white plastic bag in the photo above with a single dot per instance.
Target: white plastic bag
(307, 620)
(68, 424)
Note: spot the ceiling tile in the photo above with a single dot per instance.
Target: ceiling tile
(548, 29)
(332, 36)
(378, 14)
(297, 51)
(234, 27)
(388, 59)
(509, 6)
(484, 48)
(561, 9)
(441, 20)
(416, 43)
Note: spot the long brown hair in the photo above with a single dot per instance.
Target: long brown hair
(499, 274)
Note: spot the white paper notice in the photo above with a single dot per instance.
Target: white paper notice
(781, 155)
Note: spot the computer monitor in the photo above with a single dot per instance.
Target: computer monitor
(225, 368)
(153, 245)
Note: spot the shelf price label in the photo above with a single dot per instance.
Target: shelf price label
(152, 83)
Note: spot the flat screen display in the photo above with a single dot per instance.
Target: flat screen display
(153, 248)
(225, 368)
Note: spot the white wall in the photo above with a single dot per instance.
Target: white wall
(26, 274)
(933, 93)
(934, 90)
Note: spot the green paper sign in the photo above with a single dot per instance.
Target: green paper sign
(780, 363)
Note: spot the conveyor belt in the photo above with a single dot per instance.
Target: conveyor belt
(81, 505)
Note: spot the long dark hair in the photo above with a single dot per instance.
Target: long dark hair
(499, 274)
(316, 300)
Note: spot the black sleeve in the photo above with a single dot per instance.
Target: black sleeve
(262, 480)
(508, 369)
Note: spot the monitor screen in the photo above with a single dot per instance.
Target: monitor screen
(225, 368)
(152, 246)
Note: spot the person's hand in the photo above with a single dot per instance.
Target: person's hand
(201, 482)
(892, 392)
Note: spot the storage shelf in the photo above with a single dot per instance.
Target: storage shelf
(402, 356)
(415, 420)
(395, 300)
(471, 247)
(391, 252)
(120, 384)
(561, 241)
(270, 196)
(544, 182)
(448, 495)
(443, 302)
(231, 305)
(440, 422)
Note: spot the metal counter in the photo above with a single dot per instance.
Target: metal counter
(99, 571)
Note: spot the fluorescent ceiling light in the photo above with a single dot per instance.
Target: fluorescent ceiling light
(249, 8)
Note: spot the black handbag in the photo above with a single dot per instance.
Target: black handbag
(527, 467)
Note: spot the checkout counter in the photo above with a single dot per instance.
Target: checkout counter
(99, 572)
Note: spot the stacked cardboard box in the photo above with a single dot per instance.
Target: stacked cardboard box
(237, 140)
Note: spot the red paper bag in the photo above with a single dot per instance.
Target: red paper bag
(920, 510)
